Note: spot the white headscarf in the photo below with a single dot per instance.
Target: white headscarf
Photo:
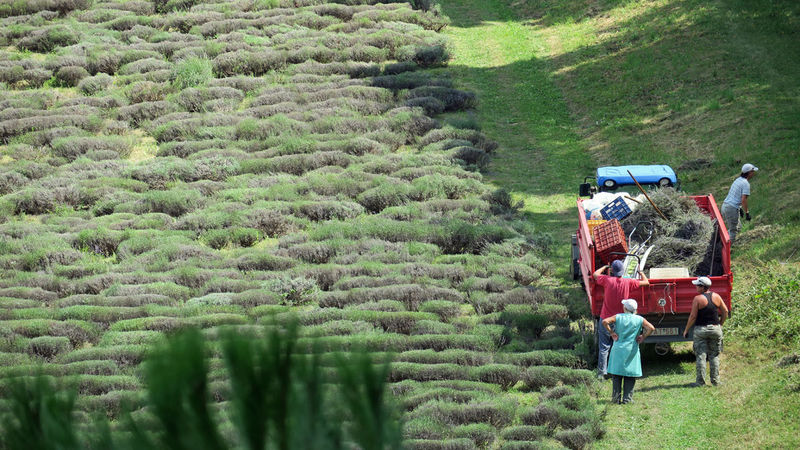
(630, 305)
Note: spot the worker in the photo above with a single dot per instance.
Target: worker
(708, 315)
(625, 362)
(735, 204)
(615, 289)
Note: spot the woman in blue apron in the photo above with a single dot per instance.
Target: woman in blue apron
(624, 362)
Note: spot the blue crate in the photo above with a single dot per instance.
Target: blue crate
(617, 209)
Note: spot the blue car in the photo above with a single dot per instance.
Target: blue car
(613, 176)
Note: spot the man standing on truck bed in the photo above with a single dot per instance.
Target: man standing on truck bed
(615, 289)
(735, 204)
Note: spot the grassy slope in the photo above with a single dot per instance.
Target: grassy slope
(676, 81)
(749, 410)
(567, 85)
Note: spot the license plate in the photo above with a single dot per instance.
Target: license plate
(665, 331)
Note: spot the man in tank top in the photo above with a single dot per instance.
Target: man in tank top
(708, 315)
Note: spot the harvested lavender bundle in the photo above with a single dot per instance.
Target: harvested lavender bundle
(684, 239)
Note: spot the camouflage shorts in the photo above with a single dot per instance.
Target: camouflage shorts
(730, 215)
(707, 347)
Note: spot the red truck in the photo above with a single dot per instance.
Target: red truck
(667, 302)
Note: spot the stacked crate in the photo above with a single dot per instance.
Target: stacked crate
(609, 238)
(617, 209)
(593, 224)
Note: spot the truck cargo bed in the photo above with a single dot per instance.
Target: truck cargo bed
(667, 302)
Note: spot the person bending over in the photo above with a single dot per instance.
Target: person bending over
(735, 204)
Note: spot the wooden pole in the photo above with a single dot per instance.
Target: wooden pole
(633, 199)
(647, 196)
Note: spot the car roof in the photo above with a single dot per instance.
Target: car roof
(655, 169)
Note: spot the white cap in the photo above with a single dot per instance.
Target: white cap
(702, 281)
(749, 168)
(630, 305)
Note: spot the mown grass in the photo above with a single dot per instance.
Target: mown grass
(754, 407)
(702, 86)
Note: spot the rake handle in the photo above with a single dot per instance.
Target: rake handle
(646, 196)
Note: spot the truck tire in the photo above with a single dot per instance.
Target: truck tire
(576, 270)
(664, 182)
(595, 348)
(575, 267)
(609, 185)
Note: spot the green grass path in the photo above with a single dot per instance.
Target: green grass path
(749, 410)
(542, 157)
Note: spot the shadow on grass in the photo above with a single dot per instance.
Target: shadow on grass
(778, 15)
(666, 387)
(673, 363)
(541, 12)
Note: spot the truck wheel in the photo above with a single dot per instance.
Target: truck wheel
(595, 347)
(664, 182)
(662, 348)
(575, 268)
(610, 184)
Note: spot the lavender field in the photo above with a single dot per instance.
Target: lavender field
(235, 165)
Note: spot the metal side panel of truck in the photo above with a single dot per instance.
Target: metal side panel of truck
(667, 302)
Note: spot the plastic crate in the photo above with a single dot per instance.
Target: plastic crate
(617, 209)
(609, 238)
(593, 224)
